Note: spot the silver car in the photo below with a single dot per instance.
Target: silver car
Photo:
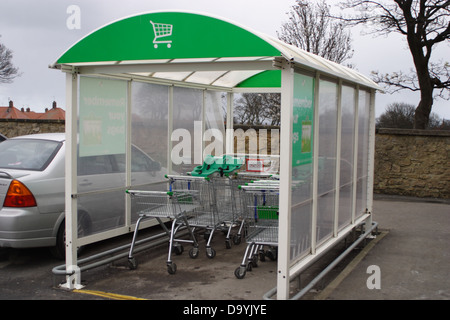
(32, 190)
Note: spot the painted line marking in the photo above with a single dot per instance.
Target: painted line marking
(108, 295)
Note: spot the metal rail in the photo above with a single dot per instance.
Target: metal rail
(301, 293)
(141, 245)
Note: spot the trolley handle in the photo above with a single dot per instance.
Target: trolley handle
(259, 188)
(135, 192)
(180, 177)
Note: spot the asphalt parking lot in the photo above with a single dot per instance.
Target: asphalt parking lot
(410, 253)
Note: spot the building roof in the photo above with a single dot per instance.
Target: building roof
(11, 112)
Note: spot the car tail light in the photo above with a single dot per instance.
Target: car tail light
(19, 196)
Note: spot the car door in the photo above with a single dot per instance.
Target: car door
(98, 192)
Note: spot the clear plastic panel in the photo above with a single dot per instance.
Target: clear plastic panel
(149, 127)
(214, 136)
(302, 149)
(187, 129)
(327, 159)
(347, 152)
(102, 140)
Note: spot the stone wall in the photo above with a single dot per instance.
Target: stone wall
(412, 163)
(18, 127)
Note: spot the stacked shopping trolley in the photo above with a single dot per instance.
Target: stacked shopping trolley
(214, 197)
(204, 199)
(260, 201)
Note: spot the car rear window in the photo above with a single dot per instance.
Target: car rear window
(27, 154)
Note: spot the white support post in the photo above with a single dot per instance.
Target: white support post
(198, 154)
(315, 181)
(128, 155)
(371, 155)
(284, 234)
(338, 158)
(229, 129)
(169, 129)
(355, 154)
(73, 278)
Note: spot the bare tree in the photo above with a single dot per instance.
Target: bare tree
(311, 28)
(7, 70)
(258, 109)
(272, 108)
(397, 115)
(425, 24)
(401, 115)
(249, 109)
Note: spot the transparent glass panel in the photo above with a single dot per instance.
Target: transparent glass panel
(149, 125)
(327, 159)
(215, 116)
(302, 151)
(187, 129)
(149, 129)
(347, 151)
(363, 150)
(101, 182)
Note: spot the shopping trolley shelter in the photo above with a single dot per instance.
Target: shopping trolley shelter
(157, 81)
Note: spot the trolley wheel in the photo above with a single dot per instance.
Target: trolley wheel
(237, 239)
(193, 253)
(271, 254)
(228, 243)
(262, 256)
(210, 253)
(254, 261)
(171, 268)
(240, 272)
(178, 249)
(132, 263)
(249, 266)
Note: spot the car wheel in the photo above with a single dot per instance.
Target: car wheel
(59, 250)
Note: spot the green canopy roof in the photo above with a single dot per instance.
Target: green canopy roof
(193, 48)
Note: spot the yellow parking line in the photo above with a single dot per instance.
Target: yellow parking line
(108, 295)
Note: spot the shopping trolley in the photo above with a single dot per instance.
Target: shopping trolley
(162, 30)
(225, 190)
(261, 208)
(243, 178)
(226, 204)
(204, 216)
(172, 205)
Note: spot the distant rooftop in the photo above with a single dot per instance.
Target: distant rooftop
(11, 112)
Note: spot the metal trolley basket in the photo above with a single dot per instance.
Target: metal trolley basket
(172, 205)
(247, 179)
(205, 215)
(227, 204)
(261, 207)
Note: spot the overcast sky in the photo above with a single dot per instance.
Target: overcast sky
(37, 33)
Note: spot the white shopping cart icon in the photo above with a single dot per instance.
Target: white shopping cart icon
(162, 30)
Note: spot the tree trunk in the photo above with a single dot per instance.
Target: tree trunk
(422, 114)
(421, 60)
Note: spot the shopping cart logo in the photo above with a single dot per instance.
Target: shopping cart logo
(162, 30)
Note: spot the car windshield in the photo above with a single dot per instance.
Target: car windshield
(27, 154)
